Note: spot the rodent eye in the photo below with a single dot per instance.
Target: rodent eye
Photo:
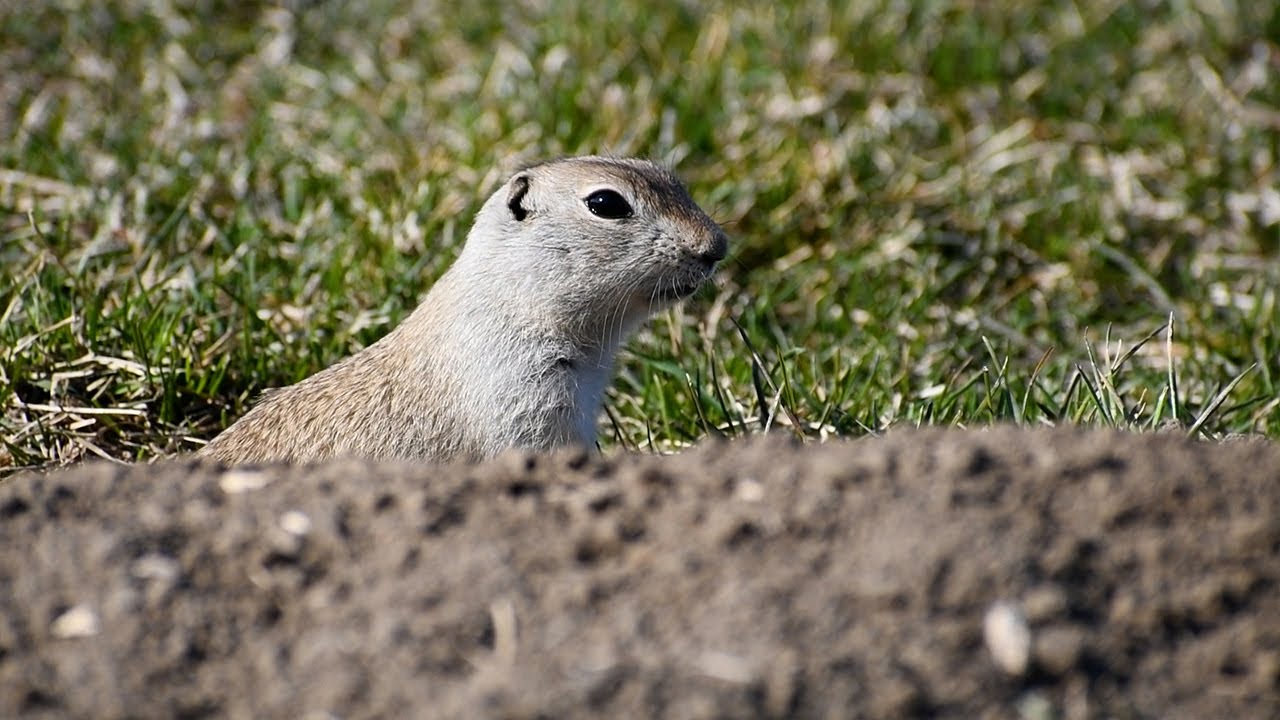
(608, 204)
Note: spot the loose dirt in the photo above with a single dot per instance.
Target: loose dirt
(1121, 576)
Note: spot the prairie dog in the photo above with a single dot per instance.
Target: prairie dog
(514, 345)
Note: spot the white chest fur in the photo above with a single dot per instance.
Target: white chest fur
(517, 389)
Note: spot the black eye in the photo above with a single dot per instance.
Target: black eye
(608, 204)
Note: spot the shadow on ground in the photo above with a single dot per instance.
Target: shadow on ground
(1137, 576)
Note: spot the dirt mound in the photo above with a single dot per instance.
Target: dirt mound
(1119, 575)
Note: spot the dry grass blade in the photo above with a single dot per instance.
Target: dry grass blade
(757, 378)
(1172, 371)
(1217, 402)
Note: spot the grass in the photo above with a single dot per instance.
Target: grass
(948, 212)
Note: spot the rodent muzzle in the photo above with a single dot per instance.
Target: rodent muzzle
(711, 251)
(715, 250)
(698, 267)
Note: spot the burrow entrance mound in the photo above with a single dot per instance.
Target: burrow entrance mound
(1132, 576)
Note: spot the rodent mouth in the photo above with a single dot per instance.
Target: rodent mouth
(678, 290)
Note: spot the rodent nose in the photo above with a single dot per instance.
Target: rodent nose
(715, 249)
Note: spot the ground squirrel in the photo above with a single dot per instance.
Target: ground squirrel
(514, 345)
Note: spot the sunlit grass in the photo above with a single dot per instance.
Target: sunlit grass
(941, 213)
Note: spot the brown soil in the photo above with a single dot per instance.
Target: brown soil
(758, 579)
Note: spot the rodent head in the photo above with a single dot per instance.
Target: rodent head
(600, 243)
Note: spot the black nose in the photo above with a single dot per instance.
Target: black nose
(715, 248)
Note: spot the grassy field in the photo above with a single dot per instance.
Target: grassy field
(946, 212)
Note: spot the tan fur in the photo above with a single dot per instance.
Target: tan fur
(514, 345)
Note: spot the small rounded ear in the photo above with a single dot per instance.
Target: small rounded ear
(515, 198)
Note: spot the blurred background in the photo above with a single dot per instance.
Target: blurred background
(945, 211)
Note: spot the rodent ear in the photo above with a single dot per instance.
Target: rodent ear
(515, 199)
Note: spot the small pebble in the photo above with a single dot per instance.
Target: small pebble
(1058, 648)
(749, 490)
(1044, 603)
(234, 482)
(78, 622)
(295, 523)
(1035, 706)
(725, 666)
(1008, 638)
(154, 566)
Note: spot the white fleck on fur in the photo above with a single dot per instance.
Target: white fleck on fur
(514, 346)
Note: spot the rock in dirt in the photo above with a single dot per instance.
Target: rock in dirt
(746, 579)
